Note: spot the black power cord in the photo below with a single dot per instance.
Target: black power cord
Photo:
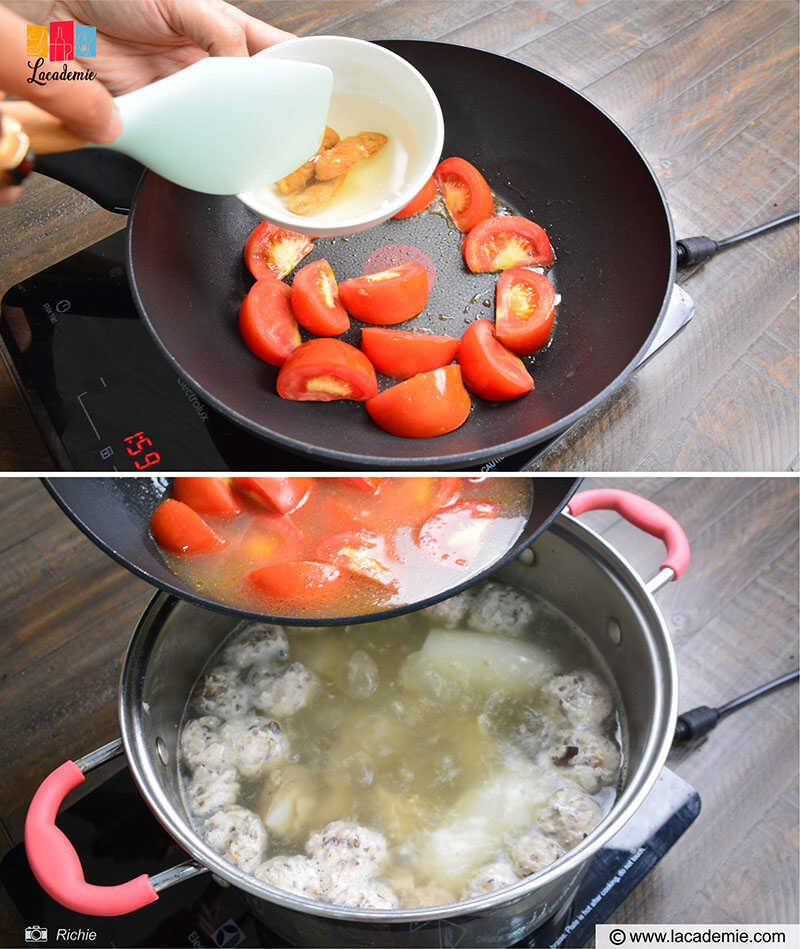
(696, 250)
(699, 721)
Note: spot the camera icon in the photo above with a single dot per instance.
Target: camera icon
(35, 934)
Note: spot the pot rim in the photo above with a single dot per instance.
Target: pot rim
(140, 762)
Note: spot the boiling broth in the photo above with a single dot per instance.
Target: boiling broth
(448, 757)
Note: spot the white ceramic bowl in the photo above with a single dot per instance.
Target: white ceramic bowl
(385, 80)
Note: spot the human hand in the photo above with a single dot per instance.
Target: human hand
(138, 41)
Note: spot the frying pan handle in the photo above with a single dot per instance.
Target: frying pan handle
(107, 177)
(56, 864)
(646, 516)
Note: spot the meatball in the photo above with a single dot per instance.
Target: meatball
(295, 874)
(493, 876)
(581, 697)
(254, 744)
(501, 610)
(362, 894)
(347, 851)
(238, 835)
(587, 758)
(286, 692)
(224, 694)
(451, 613)
(569, 816)
(533, 852)
(201, 744)
(208, 791)
(256, 644)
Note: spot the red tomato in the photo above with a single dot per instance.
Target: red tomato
(413, 499)
(453, 536)
(524, 310)
(351, 513)
(361, 552)
(401, 355)
(273, 251)
(266, 322)
(365, 485)
(322, 370)
(465, 192)
(389, 296)
(206, 495)
(315, 300)
(277, 494)
(432, 403)
(180, 530)
(489, 369)
(272, 538)
(420, 201)
(300, 581)
(506, 241)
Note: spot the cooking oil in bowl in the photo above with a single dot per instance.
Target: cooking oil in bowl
(371, 185)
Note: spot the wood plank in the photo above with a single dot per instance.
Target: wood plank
(421, 19)
(709, 115)
(759, 392)
(684, 58)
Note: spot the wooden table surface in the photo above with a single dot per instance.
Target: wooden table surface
(67, 611)
(708, 89)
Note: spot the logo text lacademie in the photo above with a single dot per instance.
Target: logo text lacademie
(61, 42)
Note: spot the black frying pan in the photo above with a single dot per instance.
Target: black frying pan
(548, 153)
(115, 513)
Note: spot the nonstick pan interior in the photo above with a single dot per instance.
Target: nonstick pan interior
(115, 512)
(549, 154)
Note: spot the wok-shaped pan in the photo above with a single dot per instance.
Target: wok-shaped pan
(549, 154)
(115, 513)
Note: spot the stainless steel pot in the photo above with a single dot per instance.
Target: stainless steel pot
(572, 567)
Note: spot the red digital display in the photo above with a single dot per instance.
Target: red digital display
(139, 443)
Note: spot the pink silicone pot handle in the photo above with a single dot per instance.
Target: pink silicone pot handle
(643, 514)
(57, 866)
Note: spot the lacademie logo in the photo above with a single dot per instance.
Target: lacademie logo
(61, 42)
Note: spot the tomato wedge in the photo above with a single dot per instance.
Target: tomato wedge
(415, 498)
(365, 485)
(266, 322)
(489, 369)
(299, 581)
(506, 241)
(273, 251)
(362, 552)
(271, 538)
(400, 355)
(180, 530)
(315, 300)
(277, 494)
(465, 192)
(323, 370)
(432, 403)
(206, 495)
(420, 201)
(524, 310)
(454, 535)
(389, 296)
(352, 513)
